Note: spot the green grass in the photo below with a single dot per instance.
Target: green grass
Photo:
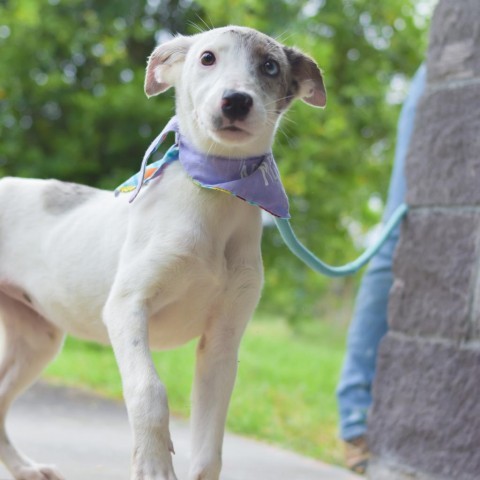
(285, 390)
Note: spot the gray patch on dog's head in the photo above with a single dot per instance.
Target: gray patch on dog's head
(62, 197)
(262, 48)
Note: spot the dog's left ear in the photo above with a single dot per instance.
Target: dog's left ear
(164, 63)
(308, 76)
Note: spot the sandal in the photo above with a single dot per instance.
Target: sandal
(357, 454)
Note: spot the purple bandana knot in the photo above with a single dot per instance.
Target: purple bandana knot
(255, 180)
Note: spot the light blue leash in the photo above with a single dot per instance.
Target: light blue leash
(307, 257)
(279, 198)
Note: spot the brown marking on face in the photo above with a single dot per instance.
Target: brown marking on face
(62, 197)
(281, 87)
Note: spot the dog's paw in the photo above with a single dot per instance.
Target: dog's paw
(203, 476)
(151, 472)
(208, 472)
(38, 472)
(152, 458)
(153, 468)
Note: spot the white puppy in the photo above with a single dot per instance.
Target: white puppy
(180, 262)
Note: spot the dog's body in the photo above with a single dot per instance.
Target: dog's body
(178, 263)
(77, 239)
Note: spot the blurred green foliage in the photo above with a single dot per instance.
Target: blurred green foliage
(72, 106)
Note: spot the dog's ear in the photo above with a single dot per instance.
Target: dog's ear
(308, 77)
(163, 64)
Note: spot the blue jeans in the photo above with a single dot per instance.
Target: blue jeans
(369, 323)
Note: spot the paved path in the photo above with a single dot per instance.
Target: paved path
(88, 438)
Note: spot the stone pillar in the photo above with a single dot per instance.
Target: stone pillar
(425, 421)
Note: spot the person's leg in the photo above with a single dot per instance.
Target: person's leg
(369, 323)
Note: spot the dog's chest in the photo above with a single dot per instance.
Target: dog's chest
(210, 247)
(196, 300)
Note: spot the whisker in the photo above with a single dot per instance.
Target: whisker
(282, 132)
(208, 27)
(289, 120)
(212, 25)
(201, 28)
(278, 100)
(191, 23)
(280, 38)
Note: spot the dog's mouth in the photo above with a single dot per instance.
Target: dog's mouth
(233, 133)
(232, 128)
(230, 133)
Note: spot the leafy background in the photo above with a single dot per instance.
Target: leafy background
(72, 107)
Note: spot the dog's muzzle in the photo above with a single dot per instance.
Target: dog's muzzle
(236, 105)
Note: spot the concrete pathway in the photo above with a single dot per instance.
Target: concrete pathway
(88, 438)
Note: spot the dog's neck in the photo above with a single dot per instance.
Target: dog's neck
(254, 179)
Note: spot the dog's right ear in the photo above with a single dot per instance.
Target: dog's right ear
(163, 65)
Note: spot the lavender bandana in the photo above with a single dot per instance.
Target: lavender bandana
(255, 180)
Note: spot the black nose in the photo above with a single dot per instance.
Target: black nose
(236, 105)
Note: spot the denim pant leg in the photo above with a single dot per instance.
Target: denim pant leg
(369, 323)
(368, 327)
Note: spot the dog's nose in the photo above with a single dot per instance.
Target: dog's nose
(236, 105)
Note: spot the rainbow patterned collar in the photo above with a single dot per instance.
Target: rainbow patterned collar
(255, 180)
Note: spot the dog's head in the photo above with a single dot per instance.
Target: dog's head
(232, 86)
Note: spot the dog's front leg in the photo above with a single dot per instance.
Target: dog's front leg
(216, 368)
(144, 393)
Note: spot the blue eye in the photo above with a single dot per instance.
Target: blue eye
(271, 68)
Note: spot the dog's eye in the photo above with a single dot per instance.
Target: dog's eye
(207, 59)
(271, 68)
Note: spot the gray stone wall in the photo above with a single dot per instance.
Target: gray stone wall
(425, 421)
